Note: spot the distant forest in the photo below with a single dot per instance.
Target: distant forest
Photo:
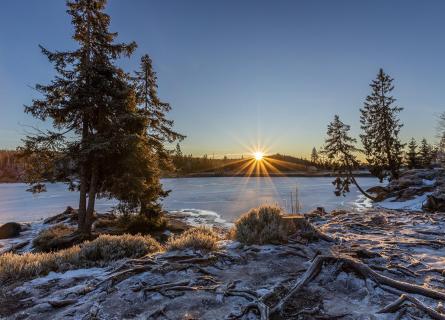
(195, 166)
(12, 166)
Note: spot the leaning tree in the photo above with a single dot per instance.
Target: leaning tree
(340, 149)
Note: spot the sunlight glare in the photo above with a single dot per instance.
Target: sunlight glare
(258, 155)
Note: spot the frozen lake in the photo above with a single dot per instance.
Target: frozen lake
(226, 196)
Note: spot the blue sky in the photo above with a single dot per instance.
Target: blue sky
(237, 72)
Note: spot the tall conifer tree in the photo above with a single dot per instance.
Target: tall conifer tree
(84, 102)
(412, 157)
(425, 154)
(381, 126)
(314, 156)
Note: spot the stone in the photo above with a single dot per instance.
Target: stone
(434, 204)
(10, 230)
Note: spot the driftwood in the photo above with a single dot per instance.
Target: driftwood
(396, 305)
(361, 269)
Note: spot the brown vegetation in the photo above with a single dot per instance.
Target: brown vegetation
(49, 239)
(262, 225)
(199, 238)
(104, 249)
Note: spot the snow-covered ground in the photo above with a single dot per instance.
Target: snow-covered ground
(411, 204)
(239, 281)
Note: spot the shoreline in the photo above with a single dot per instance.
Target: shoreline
(268, 175)
(241, 175)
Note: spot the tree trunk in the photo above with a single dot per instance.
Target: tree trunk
(363, 192)
(367, 195)
(83, 184)
(91, 200)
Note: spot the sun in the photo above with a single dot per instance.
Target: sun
(258, 155)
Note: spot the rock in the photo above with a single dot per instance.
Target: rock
(434, 204)
(61, 303)
(379, 220)
(338, 212)
(318, 212)
(68, 214)
(176, 225)
(10, 230)
(379, 192)
(411, 193)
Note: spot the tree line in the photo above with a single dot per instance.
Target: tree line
(11, 167)
(382, 147)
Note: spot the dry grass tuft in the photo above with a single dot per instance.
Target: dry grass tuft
(20, 267)
(109, 248)
(262, 225)
(103, 249)
(47, 239)
(199, 238)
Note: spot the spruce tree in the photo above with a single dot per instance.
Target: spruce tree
(425, 154)
(340, 150)
(158, 131)
(314, 156)
(83, 102)
(381, 126)
(178, 158)
(412, 157)
(160, 128)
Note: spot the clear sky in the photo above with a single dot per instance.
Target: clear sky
(240, 71)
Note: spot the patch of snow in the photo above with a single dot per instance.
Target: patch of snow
(429, 182)
(412, 205)
(262, 291)
(197, 217)
(77, 273)
(230, 244)
(29, 232)
(363, 203)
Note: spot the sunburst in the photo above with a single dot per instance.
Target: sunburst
(258, 155)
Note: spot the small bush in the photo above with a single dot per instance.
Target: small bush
(108, 247)
(262, 225)
(20, 267)
(103, 249)
(141, 223)
(47, 239)
(199, 238)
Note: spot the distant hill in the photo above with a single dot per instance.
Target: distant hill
(276, 164)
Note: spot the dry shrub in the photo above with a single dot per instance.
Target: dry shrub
(20, 267)
(47, 239)
(262, 225)
(199, 238)
(103, 249)
(108, 247)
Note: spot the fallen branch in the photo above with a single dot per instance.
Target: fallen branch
(363, 270)
(255, 303)
(396, 305)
